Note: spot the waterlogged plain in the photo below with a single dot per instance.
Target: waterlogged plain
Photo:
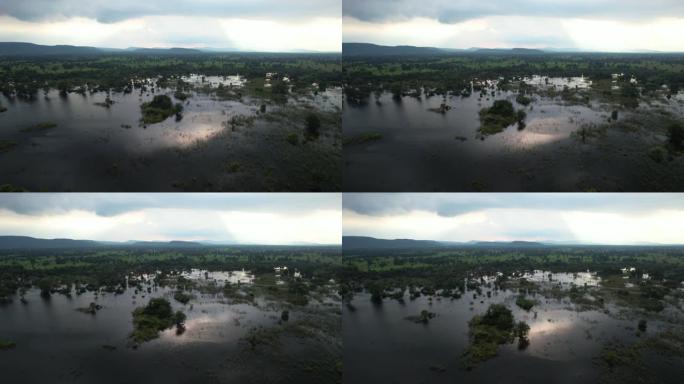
(201, 123)
(265, 324)
(585, 123)
(417, 317)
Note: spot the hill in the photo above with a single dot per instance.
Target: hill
(366, 49)
(362, 242)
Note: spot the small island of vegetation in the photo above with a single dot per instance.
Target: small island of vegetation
(490, 330)
(499, 116)
(156, 316)
(159, 109)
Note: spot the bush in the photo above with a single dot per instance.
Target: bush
(293, 138)
(313, 125)
(675, 135)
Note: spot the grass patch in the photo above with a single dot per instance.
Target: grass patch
(361, 138)
(6, 145)
(6, 344)
(293, 138)
(40, 127)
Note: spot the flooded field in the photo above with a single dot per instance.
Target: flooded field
(79, 142)
(571, 337)
(571, 139)
(241, 336)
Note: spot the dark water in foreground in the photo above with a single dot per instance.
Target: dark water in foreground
(94, 148)
(382, 346)
(56, 343)
(421, 150)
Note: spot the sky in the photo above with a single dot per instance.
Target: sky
(250, 218)
(585, 25)
(254, 25)
(586, 218)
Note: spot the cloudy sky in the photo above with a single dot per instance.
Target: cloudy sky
(253, 25)
(593, 25)
(269, 218)
(572, 218)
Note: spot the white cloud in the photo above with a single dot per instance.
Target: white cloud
(278, 219)
(311, 34)
(509, 224)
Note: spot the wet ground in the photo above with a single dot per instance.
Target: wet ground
(423, 150)
(94, 148)
(57, 343)
(381, 345)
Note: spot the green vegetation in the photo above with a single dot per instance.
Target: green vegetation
(6, 344)
(293, 138)
(675, 135)
(362, 138)
(486, 333)
(424, 317)
(313, 125)
(524, 303)
(40, 127)
(498, 117)
(159, 109)
(6, 145)
(156, 316)
(522, 99)
(453, 74)
(182, 297)
(25, 79)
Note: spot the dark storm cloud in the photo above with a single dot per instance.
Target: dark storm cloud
(381, 204)
(117, 10)
(111, 204)
(453, 11)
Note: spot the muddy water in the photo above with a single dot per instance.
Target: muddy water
(57, 343)
(422, 150)
(94, 148)
(382, 346)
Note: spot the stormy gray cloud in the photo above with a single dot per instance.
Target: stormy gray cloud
(118, 203)
(256, 25)
(454, 11)
(586, 25)
(450, 204)
(566, 218)
(269, 218)
(108, 11)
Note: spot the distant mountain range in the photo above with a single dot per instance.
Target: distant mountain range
(367, 49)
(29, 243)
(30, 49)
(363, 242)
(26, 242)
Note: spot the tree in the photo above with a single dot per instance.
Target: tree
(675, 135)
(498, 316)
(642, 325)
(313, 124)
(521, 332)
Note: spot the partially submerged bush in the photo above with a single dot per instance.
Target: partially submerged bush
(313, 125)
(159, 109)
(156, 316)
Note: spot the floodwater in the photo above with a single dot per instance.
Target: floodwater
(423, 150)
(380, 345)
(56, 343)
(94, 148)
